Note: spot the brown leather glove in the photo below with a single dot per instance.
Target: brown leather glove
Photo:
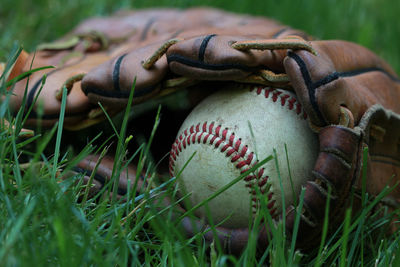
(97, 40)
(350, 95)
(101, 176)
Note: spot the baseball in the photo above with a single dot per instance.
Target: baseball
(229, 132)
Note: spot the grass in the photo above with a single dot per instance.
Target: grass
(45, 222)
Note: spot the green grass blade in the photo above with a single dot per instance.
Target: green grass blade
(345, 237)
(226, 187)
(299, 208)
(324, 232)
(25, 75)
(16, 228)
(59, 133)
(121, 143)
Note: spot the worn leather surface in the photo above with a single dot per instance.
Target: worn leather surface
(343, 74)
(97, 40)
(101, 181)
(78, 104)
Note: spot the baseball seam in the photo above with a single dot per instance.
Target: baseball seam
(232, 146)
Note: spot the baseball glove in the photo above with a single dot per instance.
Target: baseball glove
(350, 95)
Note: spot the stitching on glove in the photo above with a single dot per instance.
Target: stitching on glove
(34, 115)
(339, 155)
(116, 72)
(207, 66)
(204, 45)
(336, 75)
(147, 64)
(323, 185)
(386, 159)
(276, 35)
(308, 82)
(68, 84)
(377, 132)
(289, 42)
(312, 86)
(100, 178)
(32, 92)
(319, 177)
(306, 216)
(146, 29)
(143, 91)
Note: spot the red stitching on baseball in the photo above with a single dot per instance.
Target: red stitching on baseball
(249, 178)
(275, 95)
(179, 147)
(241, 164)
(234, 148)
(210, 127)
(298, 108)
(213, 139)
(262, 182)
(218, 143)
(231, 138)
(249, 158)
(225, 147)
(184, 143)
(260, 172)
(266, 93)
(230, 152)
(205, 138)
(270, 196)
(235, 157)
(284, 98)
(216, 130)
(270, 205)
(244, 170)
(224, 133)
(238, 143)
(244, 150)
(291, 103)
(199, 137)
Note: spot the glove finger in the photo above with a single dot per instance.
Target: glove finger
(201, 55)
(212, 57)
(45, 84)
(343, 75)
(337, 167)
(382, 133)
(104, 173)
(112, 82)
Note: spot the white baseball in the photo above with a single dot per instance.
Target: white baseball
(218, 130)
